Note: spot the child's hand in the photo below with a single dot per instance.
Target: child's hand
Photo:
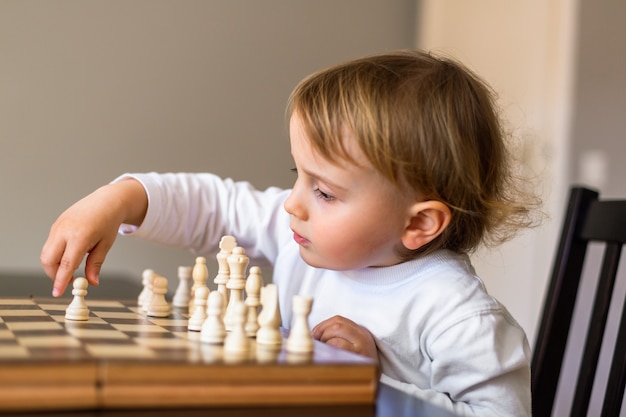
(345, 334)
(89, 227)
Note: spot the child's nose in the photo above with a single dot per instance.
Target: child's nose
(293, 205)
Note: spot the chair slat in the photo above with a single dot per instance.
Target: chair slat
(587, 219)
(617, 376)
(559, 304)
(595, 330)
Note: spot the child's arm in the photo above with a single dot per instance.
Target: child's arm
(89, 227)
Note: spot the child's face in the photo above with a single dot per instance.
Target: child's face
(344, 216)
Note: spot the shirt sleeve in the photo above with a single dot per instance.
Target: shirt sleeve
(193, 211)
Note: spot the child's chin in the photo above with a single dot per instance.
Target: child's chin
(311, 259)
(316, 261)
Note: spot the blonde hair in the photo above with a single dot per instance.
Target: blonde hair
(426, 122)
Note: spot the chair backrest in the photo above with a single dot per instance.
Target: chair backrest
(587, 219)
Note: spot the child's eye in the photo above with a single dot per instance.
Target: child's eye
(324, 196)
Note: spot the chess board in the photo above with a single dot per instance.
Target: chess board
(121, 358)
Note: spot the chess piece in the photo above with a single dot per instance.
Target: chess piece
(267, 353)
(227, 244)
(236, 342)
(200, 274)
(182, 296)
(213, 330)
(300, 339)
(146, 293)
(254, 283)
(78, 310)
(158, 306)
(199, 313)
(269, 318)
(237, 263)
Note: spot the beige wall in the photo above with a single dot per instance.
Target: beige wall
(525, 50)
(89, 90)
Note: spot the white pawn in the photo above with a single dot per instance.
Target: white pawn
(146, 293)
(213, 330)
(300, 339)
(199, 313)
(78, 310)
(182, 296)
(200, 275)
(158, 306)
(236, 341)
(254, 283)
(269, 318)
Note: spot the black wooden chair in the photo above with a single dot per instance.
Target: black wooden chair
(588, 219)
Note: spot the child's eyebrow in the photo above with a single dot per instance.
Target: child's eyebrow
(322, 178)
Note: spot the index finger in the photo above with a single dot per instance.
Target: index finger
(59, 263)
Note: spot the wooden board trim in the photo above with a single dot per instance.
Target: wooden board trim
(134, 396)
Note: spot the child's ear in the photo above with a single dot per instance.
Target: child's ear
(427, 220)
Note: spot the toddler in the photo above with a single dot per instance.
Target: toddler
(401, 172)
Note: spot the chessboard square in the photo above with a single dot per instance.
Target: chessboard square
(92, 320)
(139, 328)
(179, 331)
(57, 314)
(6, 334)
(179, 313)
(54, 307)
(16, 301)
(35, 325)
(117, 342)
(39, 333)
(164, 335)
(163, 342)
(31, 319)
(170, 322)
(48, 341)
(104, 304)
(86, 325)
(96, 334)
(189, 335)
(120, 351)
(58, 353)
(138, 321)
(117, 315)
(13, 352)
(22, 312)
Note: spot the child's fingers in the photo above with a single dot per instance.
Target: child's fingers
(95, 260)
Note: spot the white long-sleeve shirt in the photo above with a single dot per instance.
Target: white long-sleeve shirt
(439, 334)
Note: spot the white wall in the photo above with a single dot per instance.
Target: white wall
(89, 90)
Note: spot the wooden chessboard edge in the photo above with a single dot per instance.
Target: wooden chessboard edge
(39, 373)
(147, 373)
(132, 396)
(36, 398)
